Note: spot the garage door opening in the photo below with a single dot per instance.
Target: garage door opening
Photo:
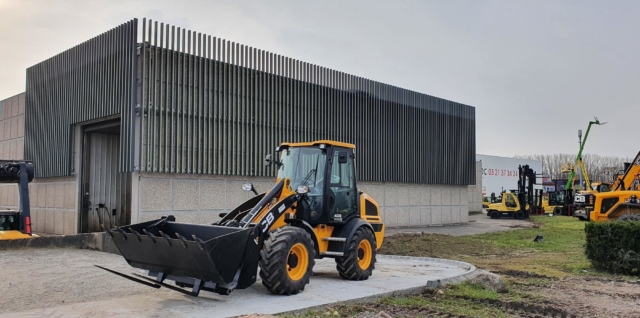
(106, 192)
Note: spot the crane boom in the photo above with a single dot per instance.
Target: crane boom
(579, 157)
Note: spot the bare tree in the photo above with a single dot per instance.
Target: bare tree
(599, 168)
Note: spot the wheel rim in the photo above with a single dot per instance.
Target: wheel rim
(297, 262)
(364, 254)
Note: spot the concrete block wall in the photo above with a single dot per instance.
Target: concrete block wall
(191, 198)
(419, 205)
(475, 191)
(199, 199)
(53, 206)
(12, 127)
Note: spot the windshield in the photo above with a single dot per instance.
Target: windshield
(303, 166)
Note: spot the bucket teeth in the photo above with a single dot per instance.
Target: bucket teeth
(184, 241)
(122, 232)
(166, 237)
(199, 241)
(150, 235)
(137, 234)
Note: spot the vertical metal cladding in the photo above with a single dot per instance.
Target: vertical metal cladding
(90, 81)
(213, 106)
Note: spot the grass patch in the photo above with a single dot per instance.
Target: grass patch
(530, 270)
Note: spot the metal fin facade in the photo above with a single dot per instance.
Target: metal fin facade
(90, 81)
(191, 103)
(211, 106)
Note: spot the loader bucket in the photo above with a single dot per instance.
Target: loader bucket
(208, 252)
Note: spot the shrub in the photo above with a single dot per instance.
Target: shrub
(614, 246)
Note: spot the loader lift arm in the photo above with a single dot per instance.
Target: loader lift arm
(625, 181)
(165, 233)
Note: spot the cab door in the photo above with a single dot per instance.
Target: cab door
(511, 202)
(341, 194)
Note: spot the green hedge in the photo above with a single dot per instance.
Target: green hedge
(614, 246)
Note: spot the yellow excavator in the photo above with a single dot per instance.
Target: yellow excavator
(16, 224)
(622, 202)
(314, 210)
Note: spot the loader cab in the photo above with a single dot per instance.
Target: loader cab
(328, 173)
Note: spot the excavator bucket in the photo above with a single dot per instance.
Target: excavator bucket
(209, 257)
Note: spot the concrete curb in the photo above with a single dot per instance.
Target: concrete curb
(94, 241)
(402, 292)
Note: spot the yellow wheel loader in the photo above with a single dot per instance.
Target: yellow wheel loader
(621, 202)
(315, 210)
(16, 224)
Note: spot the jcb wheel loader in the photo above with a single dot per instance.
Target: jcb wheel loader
(315, 210)
(17, 224)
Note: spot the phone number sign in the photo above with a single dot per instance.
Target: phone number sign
(500, 172)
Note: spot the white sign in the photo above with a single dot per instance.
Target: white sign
(501, 173)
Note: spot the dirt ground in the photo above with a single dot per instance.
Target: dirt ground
(544, 282)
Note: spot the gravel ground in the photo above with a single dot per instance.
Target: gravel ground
(51, 277)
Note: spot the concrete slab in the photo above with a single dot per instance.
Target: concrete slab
(63, 282)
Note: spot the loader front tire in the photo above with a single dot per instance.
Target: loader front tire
(287, 260)
(359, 261)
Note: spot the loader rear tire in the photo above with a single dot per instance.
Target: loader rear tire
(287, 260)
(359, 261)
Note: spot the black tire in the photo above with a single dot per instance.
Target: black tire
(349, 266)
(557, 210)
(629, 217)
(277, 260)
(494, 214)
(520, 215)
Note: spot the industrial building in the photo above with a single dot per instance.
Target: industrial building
(125, 128)
(501, 173)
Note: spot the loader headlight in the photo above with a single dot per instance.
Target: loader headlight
(302, 189)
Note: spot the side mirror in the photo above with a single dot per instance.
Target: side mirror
(267, 160)
(342, 157)
(249, 187)
(223, 214)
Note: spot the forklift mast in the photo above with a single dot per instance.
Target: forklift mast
(526, 180)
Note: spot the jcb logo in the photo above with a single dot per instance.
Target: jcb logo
(266, 223)
(580, 199)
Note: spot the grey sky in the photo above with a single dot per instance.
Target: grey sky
(536, 71)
